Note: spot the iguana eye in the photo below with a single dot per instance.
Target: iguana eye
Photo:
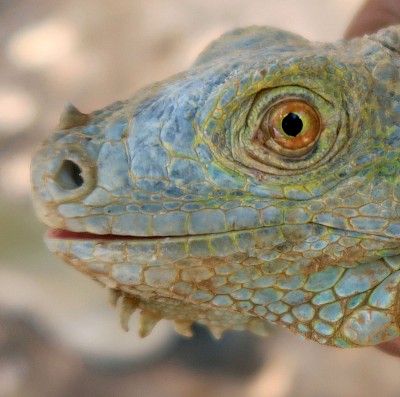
(278, 130)
(292, 124)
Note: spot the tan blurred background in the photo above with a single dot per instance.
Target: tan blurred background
(58, 335)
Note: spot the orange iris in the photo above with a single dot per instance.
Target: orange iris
(292, 124)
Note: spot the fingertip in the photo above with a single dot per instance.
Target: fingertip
(391, 347)
(374, 15)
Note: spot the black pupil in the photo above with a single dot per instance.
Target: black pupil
(292, 124)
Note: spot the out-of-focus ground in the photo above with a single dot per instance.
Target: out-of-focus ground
(58, 336)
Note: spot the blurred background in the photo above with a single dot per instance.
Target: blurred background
(58, 334)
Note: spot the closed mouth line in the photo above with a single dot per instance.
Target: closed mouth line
(63, 234)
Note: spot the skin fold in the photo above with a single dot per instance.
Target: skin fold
(261, 185)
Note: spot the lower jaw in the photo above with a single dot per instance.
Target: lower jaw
(391, 347)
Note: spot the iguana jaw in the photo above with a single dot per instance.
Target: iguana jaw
(154, 304)
(196, 278)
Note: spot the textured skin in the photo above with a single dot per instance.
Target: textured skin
(225, 231)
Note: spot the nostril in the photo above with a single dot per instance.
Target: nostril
(69, 176)
(63, 174)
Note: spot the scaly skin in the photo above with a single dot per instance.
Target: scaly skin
(221, 225)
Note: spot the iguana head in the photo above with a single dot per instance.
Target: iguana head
(261, 184)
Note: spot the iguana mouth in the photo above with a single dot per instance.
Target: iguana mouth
(63, 234)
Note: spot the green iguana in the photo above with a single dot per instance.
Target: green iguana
(262, 184)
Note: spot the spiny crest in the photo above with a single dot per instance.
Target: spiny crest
(150, 317)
